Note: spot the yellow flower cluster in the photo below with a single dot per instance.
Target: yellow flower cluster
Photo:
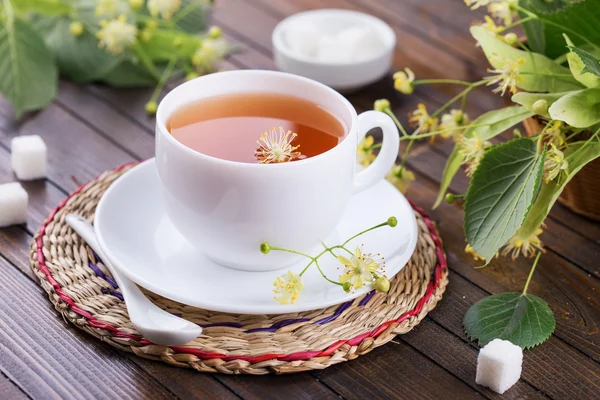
(116, 35)
(472, 150)
(422, 121)
(506, 77)
(401, 178)
(453, 123)
(361, 269)
(288, 288)
(525, 246)
(502, 10)
(554, 164)
(403, 81)
(164, 8)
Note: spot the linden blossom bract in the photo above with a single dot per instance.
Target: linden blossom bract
(359, 270)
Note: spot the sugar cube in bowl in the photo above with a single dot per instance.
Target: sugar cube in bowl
(353, 49)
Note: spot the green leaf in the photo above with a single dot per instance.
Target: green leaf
(590, 62)
(129, 75)
(28, 75)
(44, 7)
(580, 108)
(524, 320)
(527, 99)
(193, 16)
(496, 121)
(500, 194)
(550, 76)
(576, 18)
(581, 155)
(79, 58)
(160, 46)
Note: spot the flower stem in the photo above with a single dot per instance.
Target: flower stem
(362, 233)
(531, 272)
(450, 81)
(405, 155)
(570, 156)
(519, 22)
(290, 251)
(458, 96)
(325, 276)
(163, 79)
(398, 124)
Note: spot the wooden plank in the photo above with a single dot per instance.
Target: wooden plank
(281, 387)
(8, 389)
(49, 360)
(554, 367)
(73, 148)
(459, 356)
(395, 371)
(568, 290)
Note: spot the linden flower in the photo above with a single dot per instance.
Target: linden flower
(403, 81)
(381, 105)
(275, 146)
(490, 26)
(455, 120)
(359, 270)
(473, 253)
(107, 8)
(503, 10)
(555, 134)
(422, 121)
(166, 8)
(116, 35)
(507, 77)
(401, 178)
(554, 164)
(472, 150)
(209, 52)
(288, 287)
(364, 152)
(528, 246)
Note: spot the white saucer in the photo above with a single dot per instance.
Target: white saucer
(135, 233)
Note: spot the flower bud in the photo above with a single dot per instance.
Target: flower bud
(450, 198)
(392, 221)
(152, 24)
(191, 75)
(347, 286)
(265, 248)
(136, 4)
(151, 107)
(214, 32)
(382, 284)
(540, 107)
(382, 105)
(511, 38)
(76, 28)
(177, 42)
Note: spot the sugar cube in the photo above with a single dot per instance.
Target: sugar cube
(362, 42)
(499, 365)
(302, 39)
(332, 49)
(28, 157)
(13, 204)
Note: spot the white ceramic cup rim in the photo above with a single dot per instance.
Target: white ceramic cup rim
(161, 117)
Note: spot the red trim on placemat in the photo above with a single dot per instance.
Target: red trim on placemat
(304, 355)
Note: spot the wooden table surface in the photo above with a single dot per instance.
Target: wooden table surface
(93, 128)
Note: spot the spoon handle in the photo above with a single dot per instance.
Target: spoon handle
(86, 231)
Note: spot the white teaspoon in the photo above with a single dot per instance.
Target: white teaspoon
(154, 323)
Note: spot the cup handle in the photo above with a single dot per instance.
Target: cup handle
(388, 153)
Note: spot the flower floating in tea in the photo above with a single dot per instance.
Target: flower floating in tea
(360, 270)
(275, 146)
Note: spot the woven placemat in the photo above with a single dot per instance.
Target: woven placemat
(83, 291)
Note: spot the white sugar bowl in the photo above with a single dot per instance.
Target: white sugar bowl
(343, 49)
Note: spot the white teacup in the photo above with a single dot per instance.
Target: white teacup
(229, 208)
